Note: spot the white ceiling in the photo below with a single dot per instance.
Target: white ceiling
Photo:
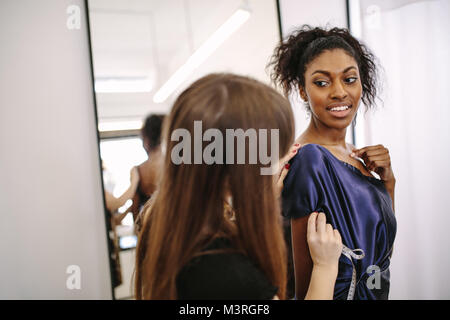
(152, 39)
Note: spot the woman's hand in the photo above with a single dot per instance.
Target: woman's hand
(283, 168)
(325, 246)
(377, 159)
(325, 243)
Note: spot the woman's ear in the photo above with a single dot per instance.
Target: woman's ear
(303, 94)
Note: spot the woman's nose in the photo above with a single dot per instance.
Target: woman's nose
(338, 91)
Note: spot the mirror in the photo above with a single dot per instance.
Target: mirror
(145, 52)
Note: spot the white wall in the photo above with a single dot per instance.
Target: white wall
(317, 13)
(50, 186)
(410, 38)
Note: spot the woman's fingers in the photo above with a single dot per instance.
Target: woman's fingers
(371, 153)
(368, 149)
(325, 243)
(284, 167)
(291, 153)
(376, 158)
(321, 224)
(317, 227)
(329, 230)
(379, 164)
(317, 224)
(311, 230)
(381, 157)
(337, 236)
(283, 174)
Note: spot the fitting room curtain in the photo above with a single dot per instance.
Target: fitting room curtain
(411, 40)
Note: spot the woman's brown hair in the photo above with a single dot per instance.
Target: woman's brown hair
(187, 212)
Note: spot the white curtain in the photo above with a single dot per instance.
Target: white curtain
(411, 40)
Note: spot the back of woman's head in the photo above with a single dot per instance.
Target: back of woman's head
(188, 211)
(151, 131)
(293, 55)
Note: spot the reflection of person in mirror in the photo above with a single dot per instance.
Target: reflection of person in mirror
(214, 231)
(148, 170)
(334, 72)
(112, 205)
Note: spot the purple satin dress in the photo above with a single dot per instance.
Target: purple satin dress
(357, 205)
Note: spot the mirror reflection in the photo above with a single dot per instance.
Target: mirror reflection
(144, 54)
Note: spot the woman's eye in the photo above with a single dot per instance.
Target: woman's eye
(351, 79)
(320, 83)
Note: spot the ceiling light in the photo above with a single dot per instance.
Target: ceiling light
(202, 53)
(123, 84)
(119, 125)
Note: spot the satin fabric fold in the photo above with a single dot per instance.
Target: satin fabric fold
(357, 205)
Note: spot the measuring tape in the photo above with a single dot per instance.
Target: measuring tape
(349, 253)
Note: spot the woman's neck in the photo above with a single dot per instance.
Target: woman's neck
(318, 133)
(156, 152)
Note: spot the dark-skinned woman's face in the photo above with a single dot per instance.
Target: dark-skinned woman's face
(333, 88)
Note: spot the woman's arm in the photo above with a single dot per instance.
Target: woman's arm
(321, 286)
(390, 187)
(303, 264)
(113, 203)
(317, 248)
(134, 209)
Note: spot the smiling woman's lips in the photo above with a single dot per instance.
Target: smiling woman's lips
(340, 113)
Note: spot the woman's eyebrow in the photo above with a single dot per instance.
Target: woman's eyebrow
(349, 68)
(328, 73)
(321, 71)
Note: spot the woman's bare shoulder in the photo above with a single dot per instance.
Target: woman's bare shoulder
(304, 141)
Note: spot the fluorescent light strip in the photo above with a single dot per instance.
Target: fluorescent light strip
(123, 85)
(201, 54)
(120, 125)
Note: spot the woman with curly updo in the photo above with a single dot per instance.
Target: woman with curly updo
(333, 72)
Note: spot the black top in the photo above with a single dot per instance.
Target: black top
(227, 275)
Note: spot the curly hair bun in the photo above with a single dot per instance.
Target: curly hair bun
(292, 56)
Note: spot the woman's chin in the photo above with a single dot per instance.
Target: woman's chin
(339, 125)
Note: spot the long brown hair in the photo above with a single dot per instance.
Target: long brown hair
(187, 212)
